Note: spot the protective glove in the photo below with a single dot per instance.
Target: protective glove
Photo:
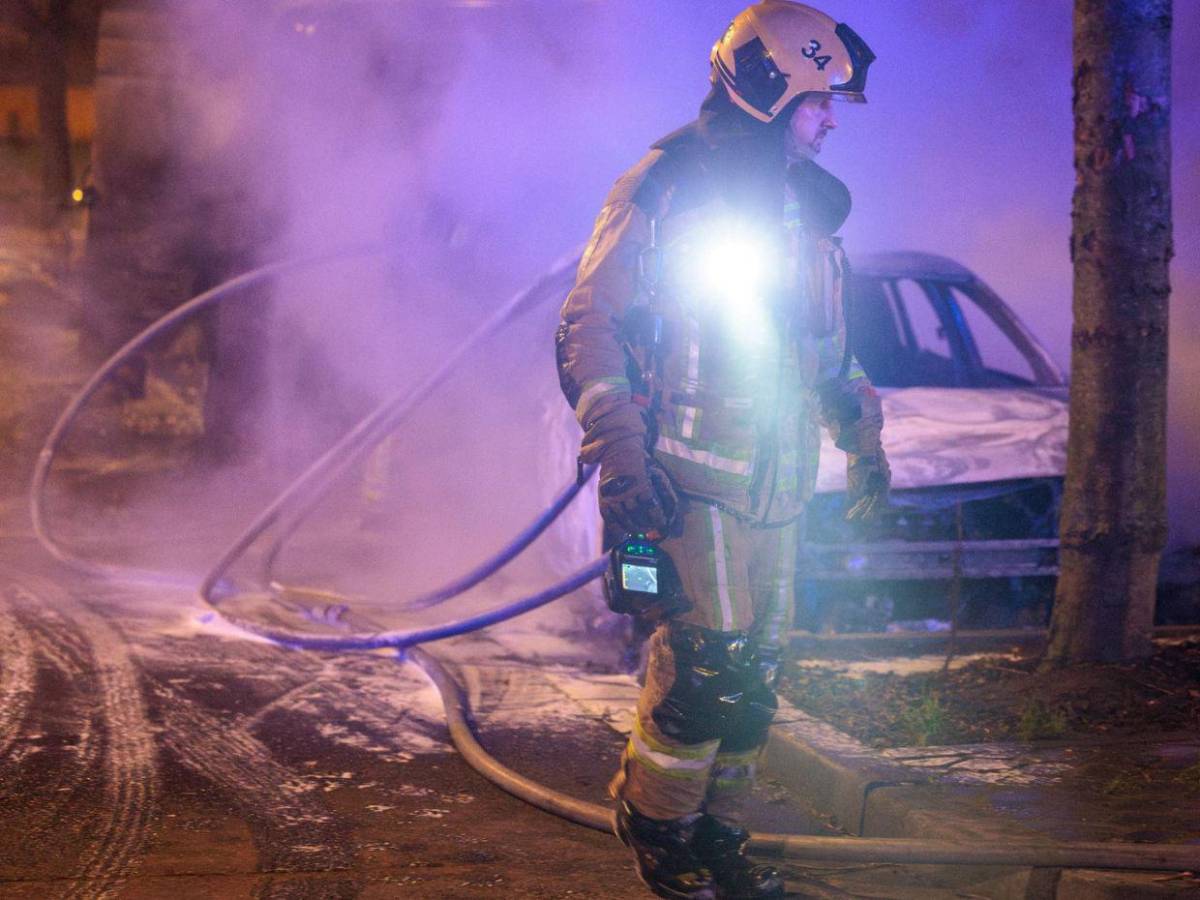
(636, 496)
(868, 479)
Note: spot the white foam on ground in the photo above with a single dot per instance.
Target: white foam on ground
(607, 698)
(914, 665)
(199, 620)
(17, 673)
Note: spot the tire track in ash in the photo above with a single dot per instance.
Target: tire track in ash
(368, 703)
(18, 670)
(96, 661)
(63, 715)
(295, 832)
(44, 778)
(130, 764)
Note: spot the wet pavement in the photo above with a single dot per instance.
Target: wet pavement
(144, 757)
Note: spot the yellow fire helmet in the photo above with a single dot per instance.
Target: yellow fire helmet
(777, 50)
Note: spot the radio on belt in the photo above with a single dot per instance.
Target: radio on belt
(642, 581)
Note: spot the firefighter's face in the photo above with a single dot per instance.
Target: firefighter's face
(812, 120)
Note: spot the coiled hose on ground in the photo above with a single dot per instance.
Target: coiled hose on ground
(303, 494)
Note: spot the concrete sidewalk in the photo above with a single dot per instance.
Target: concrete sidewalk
(818, 780)
(1115, 789)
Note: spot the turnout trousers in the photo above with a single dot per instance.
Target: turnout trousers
(704, 712)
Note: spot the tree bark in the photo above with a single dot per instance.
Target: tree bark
(49, 45)
(47, 25)
(1113, 523)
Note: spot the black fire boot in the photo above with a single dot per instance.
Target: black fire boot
(665, 860)
(721, 848)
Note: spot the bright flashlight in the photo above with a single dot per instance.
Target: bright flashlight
(733, 267)
(730, 268)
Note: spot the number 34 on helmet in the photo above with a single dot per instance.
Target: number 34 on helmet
(776, 50)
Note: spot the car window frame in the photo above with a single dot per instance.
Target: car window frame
(968, 367)
(950, 319)
(1045, 372)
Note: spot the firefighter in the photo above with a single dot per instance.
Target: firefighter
(701, 348)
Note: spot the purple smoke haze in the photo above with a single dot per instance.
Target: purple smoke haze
(482, 137)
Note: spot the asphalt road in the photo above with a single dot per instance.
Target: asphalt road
(146, 754)
(144, 758)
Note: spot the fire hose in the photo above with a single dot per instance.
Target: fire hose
(300, 497)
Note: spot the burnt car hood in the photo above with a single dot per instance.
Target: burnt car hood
(948, 436)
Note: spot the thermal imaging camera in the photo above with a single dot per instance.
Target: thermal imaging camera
(642, 581)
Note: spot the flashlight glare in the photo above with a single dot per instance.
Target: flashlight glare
(731, 267)
(734, 268)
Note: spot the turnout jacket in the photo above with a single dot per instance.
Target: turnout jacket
(746, 302)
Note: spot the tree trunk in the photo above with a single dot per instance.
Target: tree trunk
(1113, 524)
(49, 45)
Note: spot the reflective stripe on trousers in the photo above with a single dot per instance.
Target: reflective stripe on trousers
(740, 579)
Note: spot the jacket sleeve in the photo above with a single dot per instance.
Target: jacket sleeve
(850, 407)
(591, 361)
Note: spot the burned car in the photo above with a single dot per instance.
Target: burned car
(976, 433)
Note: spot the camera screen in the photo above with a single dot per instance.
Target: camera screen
(643, 579)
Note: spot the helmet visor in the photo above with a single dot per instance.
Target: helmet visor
(861, 56)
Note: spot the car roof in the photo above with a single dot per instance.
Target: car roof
(910, 264)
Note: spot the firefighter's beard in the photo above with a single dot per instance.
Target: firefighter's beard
(798, 151)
